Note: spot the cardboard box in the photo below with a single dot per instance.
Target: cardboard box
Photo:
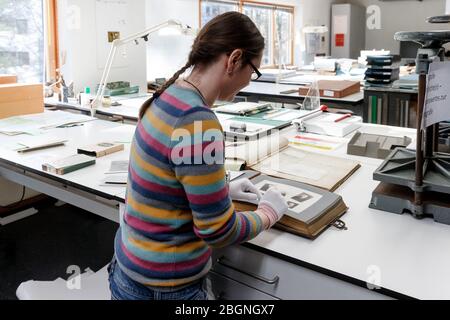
(334, 88)
(8, 78)
(21, 98)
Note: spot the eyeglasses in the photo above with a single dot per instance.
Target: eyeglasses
(256, 74)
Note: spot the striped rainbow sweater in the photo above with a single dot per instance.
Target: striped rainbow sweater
(176, 212)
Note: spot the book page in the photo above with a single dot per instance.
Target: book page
(315, 169)
(254, 151)
(298, 199)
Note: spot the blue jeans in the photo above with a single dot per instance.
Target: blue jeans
(124, 288)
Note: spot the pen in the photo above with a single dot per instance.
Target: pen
(343, 118)
(28, 149)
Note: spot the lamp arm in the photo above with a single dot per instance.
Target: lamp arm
(115, 45)
(141, 34)
(105, 75)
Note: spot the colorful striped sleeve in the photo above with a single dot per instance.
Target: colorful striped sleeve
(197, 156)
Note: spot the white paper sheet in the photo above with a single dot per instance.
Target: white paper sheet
(437, 99)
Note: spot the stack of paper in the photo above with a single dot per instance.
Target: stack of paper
(331, 124)
(37, 123)
(273, 75)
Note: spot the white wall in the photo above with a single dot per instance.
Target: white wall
(400, 16)
(167, 54)
(447, 7)
(83, 26)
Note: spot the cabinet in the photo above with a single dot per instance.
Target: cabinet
(224, 288)
(242, 273)
(347, 30)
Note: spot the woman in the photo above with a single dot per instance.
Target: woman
(178, 204)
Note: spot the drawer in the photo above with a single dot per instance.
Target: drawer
(223, 288)
(283, 279)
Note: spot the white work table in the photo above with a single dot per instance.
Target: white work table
(82, 185)
(409, 255)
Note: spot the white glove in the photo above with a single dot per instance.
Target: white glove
(244, 190)
(273, 205)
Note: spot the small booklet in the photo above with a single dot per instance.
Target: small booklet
(68, 164)
(101, 149)
(311, 210)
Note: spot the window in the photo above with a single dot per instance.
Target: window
(22, 39)
(210, 9)
(26, 26)
(275, 22)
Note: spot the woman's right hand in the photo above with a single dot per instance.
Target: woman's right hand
(273, 206)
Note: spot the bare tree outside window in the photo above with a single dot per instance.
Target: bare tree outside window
(274, 22)
(262, 17)
(22, 39)
(211, 9)
(283, 37)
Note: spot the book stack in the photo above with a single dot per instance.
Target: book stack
(272, 75)
(382, 70)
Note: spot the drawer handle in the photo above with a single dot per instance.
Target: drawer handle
(268, 281)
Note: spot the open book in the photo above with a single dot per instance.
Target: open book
(311, 210)
(275, 157)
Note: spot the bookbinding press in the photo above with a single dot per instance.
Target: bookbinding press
(418, 182)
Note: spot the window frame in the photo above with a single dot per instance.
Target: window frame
(273, 7)
(52, 61)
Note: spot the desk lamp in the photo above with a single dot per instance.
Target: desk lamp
(184, 29)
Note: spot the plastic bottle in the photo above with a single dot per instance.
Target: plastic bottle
(86, 97)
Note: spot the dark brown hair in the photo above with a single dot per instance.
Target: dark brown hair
(223, 34)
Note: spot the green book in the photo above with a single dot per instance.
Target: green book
(374, 109)
(68, 164)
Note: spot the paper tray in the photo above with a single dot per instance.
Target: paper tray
(375, 146)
